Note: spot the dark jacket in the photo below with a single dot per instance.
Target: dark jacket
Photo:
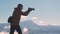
(17, 16)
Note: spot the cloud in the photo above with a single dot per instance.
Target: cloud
(4, 32)
(35, 19)
(38, 21)
(7, 27)
(25, 30)
(54, 24)
(24, 17)
(43, 22)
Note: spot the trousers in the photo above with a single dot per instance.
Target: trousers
(17, 28)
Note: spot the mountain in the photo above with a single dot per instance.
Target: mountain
(30, 25)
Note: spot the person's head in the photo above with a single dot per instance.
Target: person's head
(20, 6)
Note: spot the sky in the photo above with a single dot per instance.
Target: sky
(47, 12)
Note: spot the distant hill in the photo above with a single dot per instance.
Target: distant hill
(30, 25)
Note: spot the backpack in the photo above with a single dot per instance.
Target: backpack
(10, 19)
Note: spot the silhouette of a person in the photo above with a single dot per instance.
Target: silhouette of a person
(16, 18)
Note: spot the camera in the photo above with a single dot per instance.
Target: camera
(31, 8)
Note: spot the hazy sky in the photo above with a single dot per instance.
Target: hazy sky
(47, 11)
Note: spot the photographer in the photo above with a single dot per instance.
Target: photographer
(16, 18)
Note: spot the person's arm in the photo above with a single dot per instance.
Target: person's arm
(27, 12)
